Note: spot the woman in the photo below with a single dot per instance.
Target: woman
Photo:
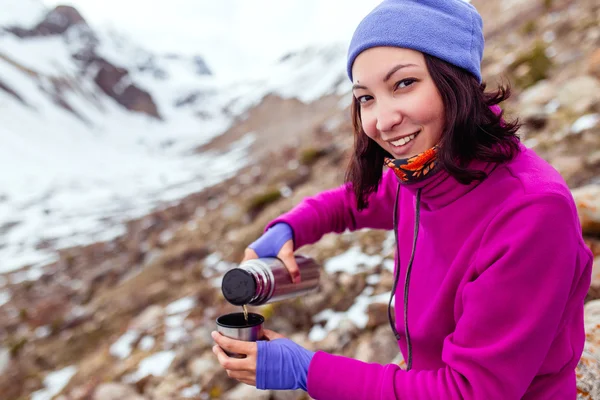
(494, 268)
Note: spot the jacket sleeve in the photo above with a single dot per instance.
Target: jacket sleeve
(335, 211)
(532, 267)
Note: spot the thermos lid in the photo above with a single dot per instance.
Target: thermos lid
(238, 286)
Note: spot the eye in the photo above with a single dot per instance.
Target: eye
(404, 83)
(364, 99)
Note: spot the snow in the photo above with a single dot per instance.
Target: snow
(54, 383)
(43, 332)
(147, 343)
(182, 305)
(175, 330)
(4, 297)
(22, 13)
(352, 261)
(357, 314)
(157, 365)
(175, 324)
(585, 122)
(4, 359)
(191, 392)
(68, 180)
(46, 55)
(123, 346)
(215, 267)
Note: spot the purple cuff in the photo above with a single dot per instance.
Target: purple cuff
(269, 244)
(282, 365)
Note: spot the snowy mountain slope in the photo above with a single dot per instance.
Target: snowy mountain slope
(76, 160)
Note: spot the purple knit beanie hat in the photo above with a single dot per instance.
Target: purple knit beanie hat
(451, 30)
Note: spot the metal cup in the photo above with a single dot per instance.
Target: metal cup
(234, 326)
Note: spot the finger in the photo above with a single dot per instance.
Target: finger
(234, 346)
(272, 335)
(229, 363)
(249, 254)
(286, 254)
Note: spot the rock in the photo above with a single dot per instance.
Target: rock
(539, 94)
(168, 388)
(579, 94)
(51, 310)
(57, 22)
(302, 339)
(533, 103)
(202, 338)
(116, 391)
(204, 368)
(594, 292)
(245, 392)
(150, 318)
(592, 323)
(289, 394)
(364, 351)
(569, 166)
(378, 314)
(594, 64)
(386, 282)
(4, 359)
(114, 82)
(201, 66)
(347, 330)
(588, 369)
(587, 199)
(340, 337)
(331, 343)
(380, 347)
(588, 374)
(349, 286)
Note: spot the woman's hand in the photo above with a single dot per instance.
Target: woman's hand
(241, 369)
(276, 242)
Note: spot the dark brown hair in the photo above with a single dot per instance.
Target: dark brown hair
(472, 131)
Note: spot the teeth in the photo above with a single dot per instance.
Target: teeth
(403, 141)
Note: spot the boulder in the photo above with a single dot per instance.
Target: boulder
(116, 391)
(587, 199)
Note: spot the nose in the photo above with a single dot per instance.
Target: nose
(388, 117)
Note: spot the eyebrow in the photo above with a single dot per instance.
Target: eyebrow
(387, 76)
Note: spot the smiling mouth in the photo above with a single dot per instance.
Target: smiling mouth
(404, 140)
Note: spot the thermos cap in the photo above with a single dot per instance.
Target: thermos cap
(238, 286)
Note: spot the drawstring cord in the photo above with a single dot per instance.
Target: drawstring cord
(408, 270)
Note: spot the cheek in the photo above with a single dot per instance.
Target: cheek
(430, 115)
(369, 125)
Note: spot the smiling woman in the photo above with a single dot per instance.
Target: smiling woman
(407, 103)
(488, 242)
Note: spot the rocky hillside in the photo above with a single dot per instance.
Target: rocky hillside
(130, 318)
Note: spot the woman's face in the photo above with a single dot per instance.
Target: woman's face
(400, 106)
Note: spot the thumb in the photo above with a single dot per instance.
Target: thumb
(286, 254)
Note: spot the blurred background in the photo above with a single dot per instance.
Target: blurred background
(143, 147)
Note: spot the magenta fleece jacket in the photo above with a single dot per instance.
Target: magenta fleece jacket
(496, 292)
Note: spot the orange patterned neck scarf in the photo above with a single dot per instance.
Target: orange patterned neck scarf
(416, 168)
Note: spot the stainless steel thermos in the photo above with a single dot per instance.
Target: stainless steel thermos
(266, 280)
